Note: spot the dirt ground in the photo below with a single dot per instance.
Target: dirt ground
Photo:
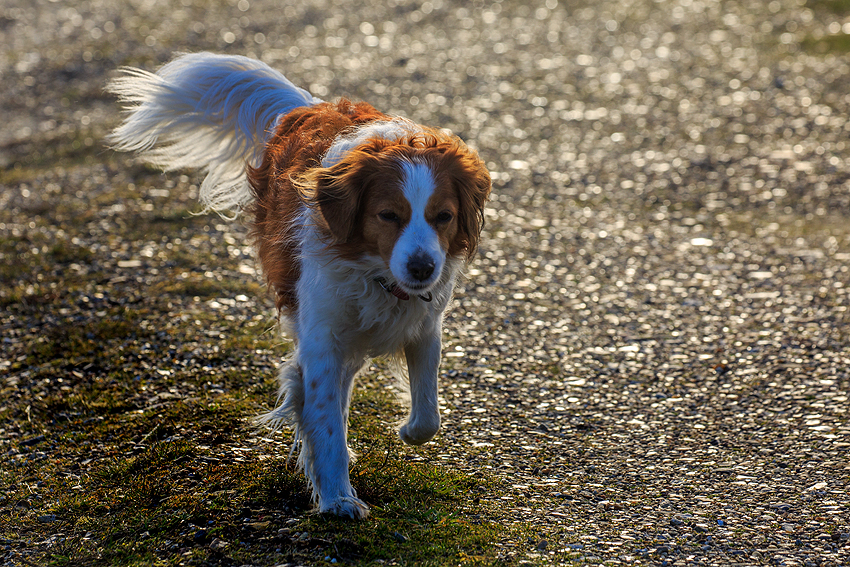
(651, 352)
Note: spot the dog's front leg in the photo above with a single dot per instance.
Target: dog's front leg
(423, 361)
(324, 427)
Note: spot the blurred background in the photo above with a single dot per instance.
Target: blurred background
(724, 105)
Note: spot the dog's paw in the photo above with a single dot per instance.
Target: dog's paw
(417, 432)
(346, 506)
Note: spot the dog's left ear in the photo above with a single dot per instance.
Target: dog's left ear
(472, 185)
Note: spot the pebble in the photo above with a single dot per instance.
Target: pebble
(668, 225)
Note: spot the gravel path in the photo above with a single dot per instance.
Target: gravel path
(651, 352)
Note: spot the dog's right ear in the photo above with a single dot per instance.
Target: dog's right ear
(339, 200)
(340, 192)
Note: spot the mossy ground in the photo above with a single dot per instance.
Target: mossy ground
(834, 43)
(170, 487)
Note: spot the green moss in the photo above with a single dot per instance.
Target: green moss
(166, 486)
(197, 285)
(836, 6)
(838, 43)
(74, 341)
(832, 43)
(417, 513)
(24, 257)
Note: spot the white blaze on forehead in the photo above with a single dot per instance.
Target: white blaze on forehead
(418, 237)
(417, 185)
(386, 130)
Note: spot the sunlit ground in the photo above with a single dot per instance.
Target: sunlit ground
(647, 363)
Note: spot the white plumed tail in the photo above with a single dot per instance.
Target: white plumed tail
(207, 111)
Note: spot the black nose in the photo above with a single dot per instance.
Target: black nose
(420, 267)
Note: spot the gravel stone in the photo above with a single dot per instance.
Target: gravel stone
(655, 331)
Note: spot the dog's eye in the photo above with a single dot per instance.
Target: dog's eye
(444, 217)
(388, 216)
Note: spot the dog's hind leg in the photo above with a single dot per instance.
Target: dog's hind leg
(290, 401)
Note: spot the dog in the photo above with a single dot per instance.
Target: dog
(362, 223)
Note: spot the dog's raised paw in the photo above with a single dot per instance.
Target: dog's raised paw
(417, 433)
(345, 506)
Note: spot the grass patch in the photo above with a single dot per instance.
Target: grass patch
(74, 342)
(135, 447)
(30, 158)
(837, 43)
(418, 515)
(172, 495)
(197, 285)
(24, 257)
(829, 43)
(841, 7)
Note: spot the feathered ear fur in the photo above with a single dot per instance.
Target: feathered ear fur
(339, 201)
(472, 184)
(338, 192)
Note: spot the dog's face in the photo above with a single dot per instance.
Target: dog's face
(412, 203)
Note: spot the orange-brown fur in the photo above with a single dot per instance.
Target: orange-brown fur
(301, 139)
(350, 194)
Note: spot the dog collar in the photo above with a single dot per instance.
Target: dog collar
(398, 292)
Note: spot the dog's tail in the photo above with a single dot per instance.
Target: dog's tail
(207, 111)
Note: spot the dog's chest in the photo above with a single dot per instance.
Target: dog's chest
(382, 323)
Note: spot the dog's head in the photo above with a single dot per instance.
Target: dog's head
(413, 202)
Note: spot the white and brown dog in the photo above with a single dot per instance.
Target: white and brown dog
(361, 221)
